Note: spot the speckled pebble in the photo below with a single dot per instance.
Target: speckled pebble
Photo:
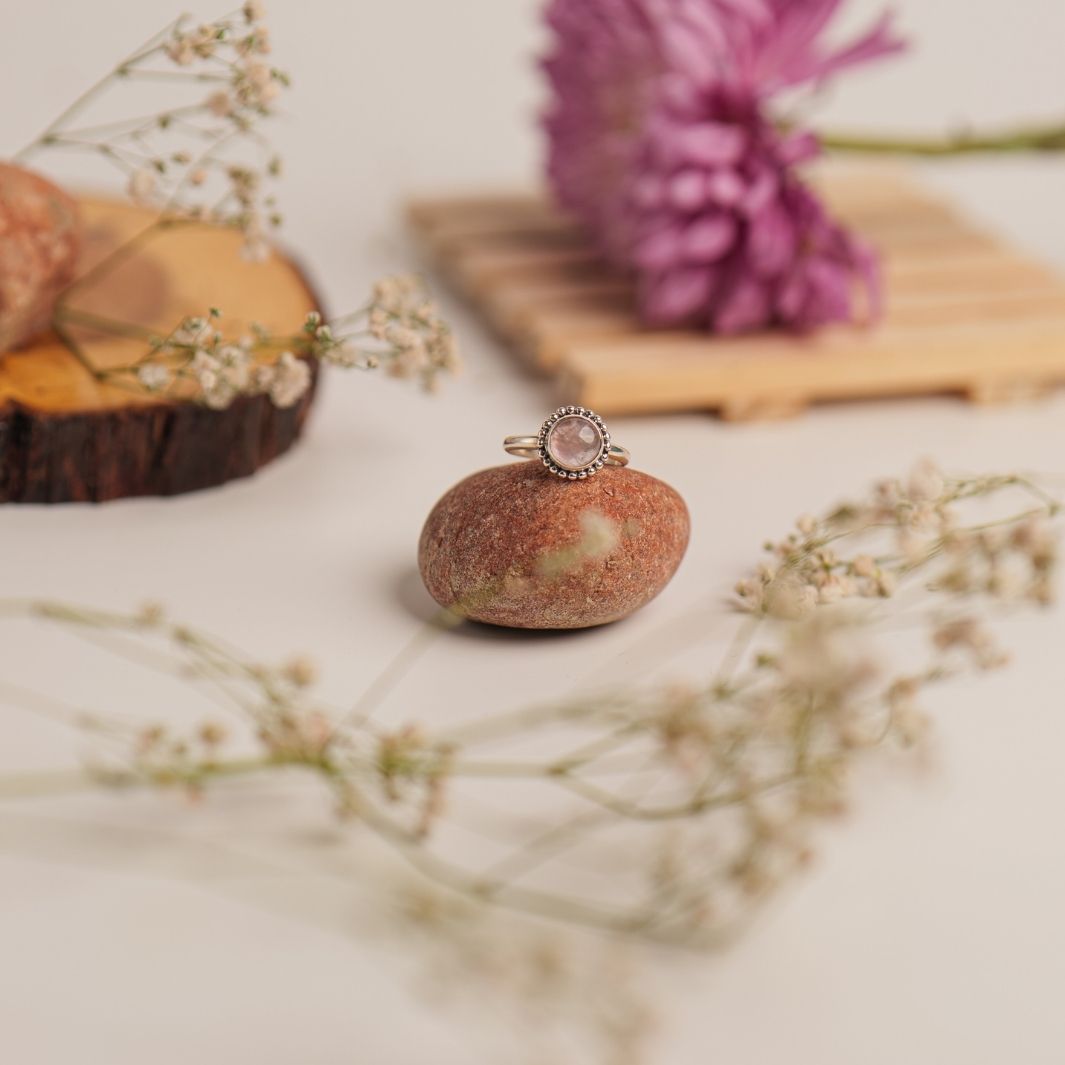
(40, 237)
(516, 546)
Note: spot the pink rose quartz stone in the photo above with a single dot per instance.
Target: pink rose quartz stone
(516, 546)
(574, 442)
(40, 237)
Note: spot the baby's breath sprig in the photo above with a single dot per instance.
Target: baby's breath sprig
(399, 331)
(202, 158)
(197, 361)
(691, 801)
(907, 526)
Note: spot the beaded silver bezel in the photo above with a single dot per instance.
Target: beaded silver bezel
(595, 465)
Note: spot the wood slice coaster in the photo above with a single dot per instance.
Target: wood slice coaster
(965, 313)
(65, 436)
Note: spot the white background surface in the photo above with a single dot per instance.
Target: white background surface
(131, 931)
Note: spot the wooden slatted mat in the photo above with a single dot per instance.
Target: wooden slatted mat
(965, 312)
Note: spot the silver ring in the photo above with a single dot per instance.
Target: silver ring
(574, 443)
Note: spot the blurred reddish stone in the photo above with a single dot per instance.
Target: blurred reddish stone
(40, 236)
(512, 546)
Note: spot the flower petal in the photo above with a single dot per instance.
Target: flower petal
(772, 242)
(687, 189)
(709, 143)
(682, 294)
(661, 249)
(761, 192)
(707, 239)
(725, 187)
(663, 143)
(747, 306)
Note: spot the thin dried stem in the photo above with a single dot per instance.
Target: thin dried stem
(693, 801)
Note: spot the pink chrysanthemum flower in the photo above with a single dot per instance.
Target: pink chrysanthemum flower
(663, 143)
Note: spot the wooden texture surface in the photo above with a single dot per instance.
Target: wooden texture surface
(66, 436)
(965, 313)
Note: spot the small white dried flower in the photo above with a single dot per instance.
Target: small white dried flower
(256, 86)
(289, 381)
(971, 635)
(863, 566)
(255, 43)
(192, 332)
(155, 377)
(235, 365)
(212, 734)
(300, 672)
(220, 104)
(150, 614)
(925, 483)
(1036, 540)
(217, 389)
(184, 47)
(750, 595)
(835, 588)
(911, 546)
(180, 50)
(256, 248)
(788, 599)
(142, 184)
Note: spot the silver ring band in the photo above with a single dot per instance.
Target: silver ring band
(574, 444)
(528, 447)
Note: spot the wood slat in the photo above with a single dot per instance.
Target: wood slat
(965, 313)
